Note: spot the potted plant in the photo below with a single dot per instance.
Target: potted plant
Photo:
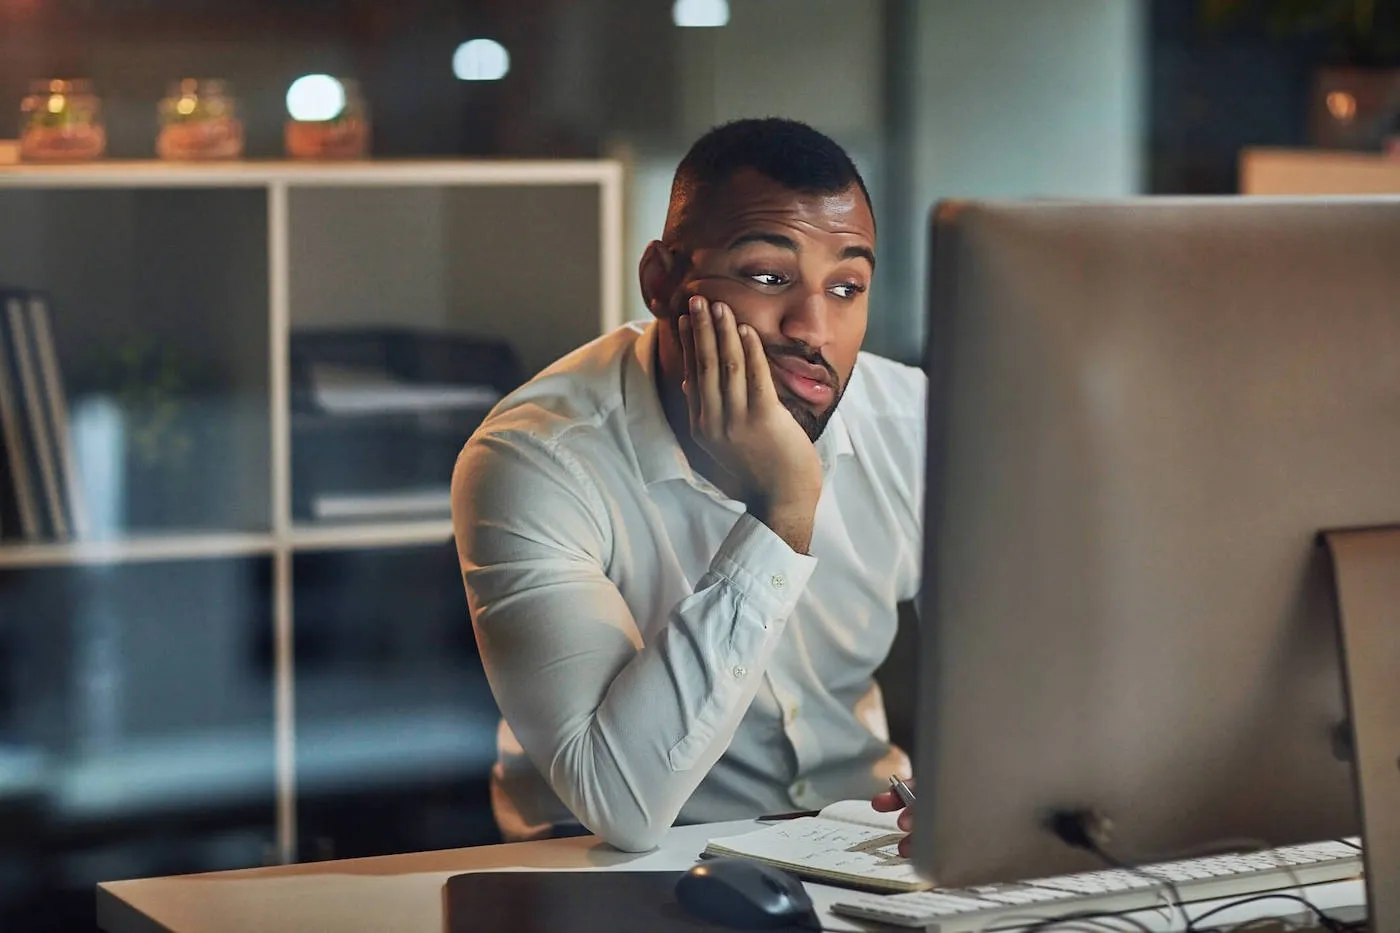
(1355, 96)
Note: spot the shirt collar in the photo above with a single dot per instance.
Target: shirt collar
(659, 454)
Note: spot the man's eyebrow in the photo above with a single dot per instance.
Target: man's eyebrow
(859, 252)
(782, 242)
(772, 239)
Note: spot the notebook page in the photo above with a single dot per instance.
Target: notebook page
(860, 811)
(862, 856)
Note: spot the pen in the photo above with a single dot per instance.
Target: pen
(905, 794)
(774, 817)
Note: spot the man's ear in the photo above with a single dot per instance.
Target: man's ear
(658, 273)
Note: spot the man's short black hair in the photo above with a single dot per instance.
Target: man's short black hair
(787, 151)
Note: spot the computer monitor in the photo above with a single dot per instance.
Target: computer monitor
(1142, 414)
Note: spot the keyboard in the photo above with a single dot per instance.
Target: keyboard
(1004, 906)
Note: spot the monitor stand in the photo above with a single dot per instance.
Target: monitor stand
(1366, 579)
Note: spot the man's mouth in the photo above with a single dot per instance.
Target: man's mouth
(807, 381)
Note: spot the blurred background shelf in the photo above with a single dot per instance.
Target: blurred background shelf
(1265, 171)
(154, 173)
(333, 536)
(261, 649)
(137, 549)
(156, 548)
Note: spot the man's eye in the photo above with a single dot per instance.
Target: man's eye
(768, 278)
(848, 291)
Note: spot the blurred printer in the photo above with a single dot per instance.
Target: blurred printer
(379, 415)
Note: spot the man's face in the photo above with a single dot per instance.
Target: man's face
(796, 268)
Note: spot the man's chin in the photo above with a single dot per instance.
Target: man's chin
(814, 423)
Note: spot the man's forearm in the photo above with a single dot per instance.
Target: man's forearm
(628, 731)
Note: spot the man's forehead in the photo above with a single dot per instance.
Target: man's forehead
(749, 200)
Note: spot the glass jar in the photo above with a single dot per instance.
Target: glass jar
(199, 120)
(61, 121)
(330, 121)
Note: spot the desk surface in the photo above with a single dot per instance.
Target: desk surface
(403, 893)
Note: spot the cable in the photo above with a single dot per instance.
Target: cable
(1091, 915)
(1041, 921)
(1333, 926)
(1257, 921)
(1348, 842)
(1087, 926)
(1087, 830)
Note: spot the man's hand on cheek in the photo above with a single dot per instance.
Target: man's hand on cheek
(735, 415)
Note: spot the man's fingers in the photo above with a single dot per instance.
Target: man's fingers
(906, 819)
(760, 377)
(733, 381)
(692, 395)
(702, 328)
(885, 801)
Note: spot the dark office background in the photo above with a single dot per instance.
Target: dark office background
(587, 79)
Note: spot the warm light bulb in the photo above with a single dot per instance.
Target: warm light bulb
(480, 60)
(700, 13)
(315, 98)
(1342, 106)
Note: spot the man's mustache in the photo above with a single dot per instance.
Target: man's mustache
(804, 353)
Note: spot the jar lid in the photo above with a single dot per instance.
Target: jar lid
(189, 87)
(60, 86)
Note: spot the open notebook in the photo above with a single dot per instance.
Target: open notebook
(848, 843)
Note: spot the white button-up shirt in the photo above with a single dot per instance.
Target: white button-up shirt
(659, 655)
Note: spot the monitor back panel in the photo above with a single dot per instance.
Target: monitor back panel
(1141, 414)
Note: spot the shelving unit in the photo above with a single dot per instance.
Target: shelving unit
(1317, 172)
(146, 548)
(225, 261)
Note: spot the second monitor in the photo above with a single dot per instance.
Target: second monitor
(1141, 415)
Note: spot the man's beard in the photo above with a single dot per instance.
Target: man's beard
(811, 422)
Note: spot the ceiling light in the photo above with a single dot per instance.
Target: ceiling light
(702, 13)
(315, 98)
(480, 60)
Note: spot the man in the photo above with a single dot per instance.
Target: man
(684, 543)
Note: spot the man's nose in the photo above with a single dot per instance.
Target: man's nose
(808, 320)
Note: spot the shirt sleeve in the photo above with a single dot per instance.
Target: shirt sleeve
(623, 731)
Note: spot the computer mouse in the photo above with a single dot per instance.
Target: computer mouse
(745, 895)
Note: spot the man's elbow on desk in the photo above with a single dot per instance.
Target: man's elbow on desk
(619, 819)
(632, 837)
(633, 831)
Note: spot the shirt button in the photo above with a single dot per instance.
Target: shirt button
(799, 790)
(790, 714)
(740, 672)
(778, 580)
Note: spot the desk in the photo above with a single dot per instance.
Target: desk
(403, 893)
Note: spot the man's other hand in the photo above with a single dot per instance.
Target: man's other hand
(887, 802)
